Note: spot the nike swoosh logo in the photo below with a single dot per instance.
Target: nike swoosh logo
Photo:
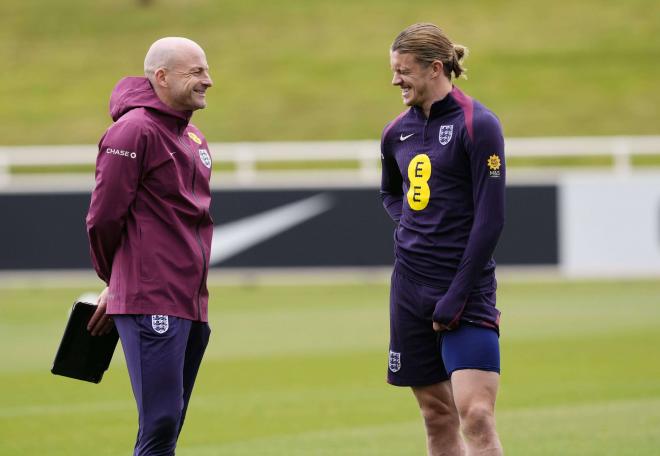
(235, 237)
(403, 138)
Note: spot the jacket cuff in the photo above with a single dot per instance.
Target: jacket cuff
(448, 311)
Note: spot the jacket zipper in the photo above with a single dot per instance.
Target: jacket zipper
(199, 237)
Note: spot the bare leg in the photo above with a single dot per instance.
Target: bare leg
(474, 395)
(441, 420)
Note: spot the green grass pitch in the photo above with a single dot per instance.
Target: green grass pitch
(319, 70)
(300, 371)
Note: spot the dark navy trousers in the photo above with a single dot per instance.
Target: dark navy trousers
(163, 355)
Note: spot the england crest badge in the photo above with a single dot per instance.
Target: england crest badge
(395, 361)
(160, 323)
(445, 134)
(205, 157)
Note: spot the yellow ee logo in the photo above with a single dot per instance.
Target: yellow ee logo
(194, 137)
(419, 173)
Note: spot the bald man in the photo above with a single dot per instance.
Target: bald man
(150, 234)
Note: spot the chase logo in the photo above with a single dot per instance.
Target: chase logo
(395, 361)
(205, 157)
(120, 152)
(194, 137)
(494, 165)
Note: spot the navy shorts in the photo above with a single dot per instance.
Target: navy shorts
(419, 356)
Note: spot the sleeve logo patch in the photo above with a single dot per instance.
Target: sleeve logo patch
(120, 152)
(194, 137)
(494, 165)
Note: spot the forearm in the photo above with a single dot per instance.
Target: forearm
(393, 205)
(103, 243)
(478, 253)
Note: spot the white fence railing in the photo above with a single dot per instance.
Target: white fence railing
(246, 157)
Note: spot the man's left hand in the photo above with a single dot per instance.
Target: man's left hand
(100, 323)
(439, 327)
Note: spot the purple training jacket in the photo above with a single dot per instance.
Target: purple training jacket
(443, 182)
(148, 224)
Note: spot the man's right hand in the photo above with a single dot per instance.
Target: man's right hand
(100, 323)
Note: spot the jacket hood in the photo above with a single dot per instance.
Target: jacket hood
(136, 92)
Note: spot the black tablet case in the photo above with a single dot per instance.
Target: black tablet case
(81, 355)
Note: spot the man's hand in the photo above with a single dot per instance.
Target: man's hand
(447, 313)
(438, 327)
(100, 323)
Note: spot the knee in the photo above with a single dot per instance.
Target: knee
(438, 415)
(163, 427)
(478, 422)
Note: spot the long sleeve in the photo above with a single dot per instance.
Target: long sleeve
(391, 190)
(118, 170)
(486, 154)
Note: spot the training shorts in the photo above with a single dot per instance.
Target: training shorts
(418, 355)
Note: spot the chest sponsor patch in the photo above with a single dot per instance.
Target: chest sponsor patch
(205, 157)
(194, 137)
(160, 323)
(419, 173)
(445, 134)
(494, 165)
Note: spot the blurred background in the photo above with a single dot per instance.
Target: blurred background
(299, 307)
(314, 70)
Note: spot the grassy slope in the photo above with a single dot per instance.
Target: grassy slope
(298, 69)
(300, 371)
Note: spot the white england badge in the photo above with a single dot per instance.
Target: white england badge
(395, 361)
(205, 157)
(160, 323)
(445, 134)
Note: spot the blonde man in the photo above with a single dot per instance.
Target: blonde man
(443, 184)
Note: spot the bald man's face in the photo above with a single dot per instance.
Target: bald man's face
(187, 80)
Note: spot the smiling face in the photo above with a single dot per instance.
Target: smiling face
(178, 72)
(187, 81)
(415, 80)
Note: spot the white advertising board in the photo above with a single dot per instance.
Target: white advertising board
(610, 225)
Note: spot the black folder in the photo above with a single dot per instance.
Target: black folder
(81, 355)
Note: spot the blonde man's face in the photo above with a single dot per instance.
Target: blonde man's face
(413, 78)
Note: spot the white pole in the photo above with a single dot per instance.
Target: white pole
(622, 157)
(5, 170)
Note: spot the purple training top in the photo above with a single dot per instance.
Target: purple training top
(148, 224)
(443, 182)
